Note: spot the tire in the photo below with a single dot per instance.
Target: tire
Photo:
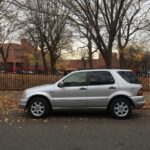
(120, 108)
(38, 107)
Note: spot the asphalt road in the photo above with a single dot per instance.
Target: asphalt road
(78, 131)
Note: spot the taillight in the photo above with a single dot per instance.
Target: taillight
(140, 92)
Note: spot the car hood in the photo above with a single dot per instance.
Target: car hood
(42, 88)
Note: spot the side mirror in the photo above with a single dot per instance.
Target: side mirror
(61, 84)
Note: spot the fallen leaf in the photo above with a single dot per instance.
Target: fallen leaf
(45, 121)
(6, 120)
(65, 127)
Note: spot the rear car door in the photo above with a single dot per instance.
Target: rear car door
(100, 85)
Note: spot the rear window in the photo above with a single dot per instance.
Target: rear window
(129, 76)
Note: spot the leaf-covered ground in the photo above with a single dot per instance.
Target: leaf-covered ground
(11, 113)
(9, 100)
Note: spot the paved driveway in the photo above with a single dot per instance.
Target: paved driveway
(77, 130)
(72, 130)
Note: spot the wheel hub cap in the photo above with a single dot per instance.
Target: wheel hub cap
(37, 109)
(121, 109)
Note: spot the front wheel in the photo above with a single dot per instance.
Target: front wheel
(38, 107)
(120, 108)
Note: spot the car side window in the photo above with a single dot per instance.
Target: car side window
(100, 78)
(129, 76)
(76, 79)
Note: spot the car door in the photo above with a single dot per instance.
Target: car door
(101, 85)
(72, 93)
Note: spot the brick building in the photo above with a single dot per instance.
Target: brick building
(16, 55)
(17, 60)
(97, 63)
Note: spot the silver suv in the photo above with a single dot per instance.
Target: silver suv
(118, 91)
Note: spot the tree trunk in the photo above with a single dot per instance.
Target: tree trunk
(37, 66)
(53, 63)
(53, 66)
(4, 58)
(108, 64)
(106, 54)
(53, 58)
(84, 63)
(36, 61)
(90, 61)
(121, 59)
(5, 66)
(108, 60)
(43, 58)
(44, 61)
(90, 54)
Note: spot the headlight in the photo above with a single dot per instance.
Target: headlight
(24, 94)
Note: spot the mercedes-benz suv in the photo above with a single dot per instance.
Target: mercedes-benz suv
(118, 91)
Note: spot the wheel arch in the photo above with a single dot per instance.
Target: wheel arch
(120, 96)
(42, 96)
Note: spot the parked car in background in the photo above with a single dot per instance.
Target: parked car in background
(118, 91)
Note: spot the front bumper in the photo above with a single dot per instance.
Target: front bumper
(138, 101)
(23, 103)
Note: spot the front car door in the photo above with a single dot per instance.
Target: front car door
(72, 93)
(101, 85)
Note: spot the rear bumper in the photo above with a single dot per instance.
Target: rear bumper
(138, 101)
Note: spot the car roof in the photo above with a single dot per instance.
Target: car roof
(89, 70)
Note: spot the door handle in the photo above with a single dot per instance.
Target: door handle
(83, 89)
(112, 87)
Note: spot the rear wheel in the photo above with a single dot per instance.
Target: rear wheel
(120, 108)
(38, 107)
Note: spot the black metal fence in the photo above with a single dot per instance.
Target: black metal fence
(145, 80)
(13, 81)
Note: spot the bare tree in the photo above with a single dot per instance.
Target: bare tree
(83, 52)
(91, 48)
(135, 20)
(84, 37)
(36, 41)
(6, 29)
(104, 17)
(49, 19)
(2, 3)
